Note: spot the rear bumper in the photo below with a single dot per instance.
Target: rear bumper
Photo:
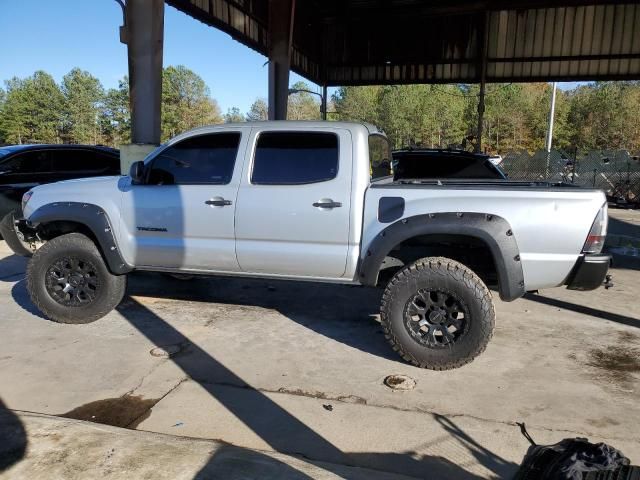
(589, 272)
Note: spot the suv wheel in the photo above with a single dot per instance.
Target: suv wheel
(69, 281)
(437, 314)
(10, 235)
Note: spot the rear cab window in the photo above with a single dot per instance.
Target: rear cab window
(295, 158)
(379, 156)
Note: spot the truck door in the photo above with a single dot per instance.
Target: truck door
(182, 217)
(294, 203)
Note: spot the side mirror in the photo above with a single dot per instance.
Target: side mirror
(137, 172)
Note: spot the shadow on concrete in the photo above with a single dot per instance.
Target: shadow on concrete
(498, 465)
(621, 227)
(623, 257)
(20, 295)
(343, 313)
(282, 431)
(12, 268)
(230, 462)
(614, 317)
(13, 438)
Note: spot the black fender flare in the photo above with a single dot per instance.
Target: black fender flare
(91, 216)
(493, 230)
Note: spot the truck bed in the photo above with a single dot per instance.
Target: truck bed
(476, 183)
(550, 221)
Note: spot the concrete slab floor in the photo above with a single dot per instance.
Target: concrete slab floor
(298, 368)
(72, 449)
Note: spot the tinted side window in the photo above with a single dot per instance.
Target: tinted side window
(103, 162)
(205, 159)
(294, 158)
(37, 161)
(92, 162)
(72, 160)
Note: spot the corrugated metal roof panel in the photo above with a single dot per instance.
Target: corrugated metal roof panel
(342, 42)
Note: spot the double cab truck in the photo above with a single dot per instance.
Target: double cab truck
(301, 201)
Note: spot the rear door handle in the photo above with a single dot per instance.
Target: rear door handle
(218, 202)
(327, 204)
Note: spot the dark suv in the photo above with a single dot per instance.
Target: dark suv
(25, 166)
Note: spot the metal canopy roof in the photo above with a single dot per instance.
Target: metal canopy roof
(359, 42)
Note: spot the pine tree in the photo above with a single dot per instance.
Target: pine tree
(259, 110)
(83, 97)
(186, 102)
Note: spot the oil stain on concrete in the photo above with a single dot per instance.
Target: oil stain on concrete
(620, 362)
(127, 411)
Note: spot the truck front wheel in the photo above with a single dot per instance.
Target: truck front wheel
(69, 281)
(437, 314)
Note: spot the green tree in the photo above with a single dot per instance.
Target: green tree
(605, 115)
(360, 104)
(83, 96)
(115, 116)
(186, 102)
(259, 111)
(233, 115)
(3, 97)
(303, 105)
(32, 110)
(428, 115)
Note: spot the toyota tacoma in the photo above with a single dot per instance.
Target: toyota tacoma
(301, 201)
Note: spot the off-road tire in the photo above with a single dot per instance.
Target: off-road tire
(9, 234)
(438, 273)
(109, 288)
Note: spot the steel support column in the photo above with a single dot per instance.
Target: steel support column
(144, 38)
(323, 105)
(483, 44)
(281, 18)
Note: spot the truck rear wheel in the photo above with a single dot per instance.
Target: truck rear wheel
(437, 314)
(69, 281)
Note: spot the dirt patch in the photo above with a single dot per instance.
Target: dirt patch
(628, 337)
(603, 422)
(323, 396)
(127, 411)
(399, 382)
(619, 361)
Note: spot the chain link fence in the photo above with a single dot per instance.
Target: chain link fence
(616, 172)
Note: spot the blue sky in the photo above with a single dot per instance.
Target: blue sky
(57, 35)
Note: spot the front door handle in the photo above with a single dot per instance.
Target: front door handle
(218, 202)
(327, 204)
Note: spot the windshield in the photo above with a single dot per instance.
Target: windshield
(4, 152)
(379, 156)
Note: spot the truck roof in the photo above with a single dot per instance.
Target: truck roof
(286, 123)
(10, 149)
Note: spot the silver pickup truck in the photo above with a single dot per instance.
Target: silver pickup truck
(315, 201)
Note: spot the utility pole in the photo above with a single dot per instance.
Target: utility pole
(552, 112)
